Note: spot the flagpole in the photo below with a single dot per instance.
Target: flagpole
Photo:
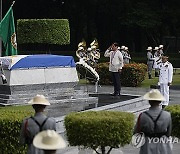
(0, 20)
(13, 3)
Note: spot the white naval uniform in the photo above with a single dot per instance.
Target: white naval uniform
(116, 63)
(165, 77)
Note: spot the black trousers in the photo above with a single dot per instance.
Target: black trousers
(116, 82)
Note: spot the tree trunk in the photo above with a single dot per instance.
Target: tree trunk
(103, 149)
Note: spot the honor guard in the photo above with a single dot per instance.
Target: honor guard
(161, 48)
(126, 56)
(157, 58)
(150, 61)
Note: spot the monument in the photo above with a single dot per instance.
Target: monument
(51, 75)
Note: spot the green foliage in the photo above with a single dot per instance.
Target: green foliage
(47, 31)
(175, 114)
(101, 128)
(132, 74)
(104, 74)
(10, 124)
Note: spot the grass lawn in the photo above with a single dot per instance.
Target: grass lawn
(16, 108)
(147, 82)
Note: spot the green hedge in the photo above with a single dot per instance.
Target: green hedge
(103, 128)
(47, 31)
(175, 114)
(10, 124)
(132, 74)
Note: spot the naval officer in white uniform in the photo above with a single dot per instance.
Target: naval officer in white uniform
(165, 78)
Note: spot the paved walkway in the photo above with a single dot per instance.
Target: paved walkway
(128, 149)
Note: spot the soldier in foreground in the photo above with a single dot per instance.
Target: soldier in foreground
(155, 125)
(35, 124)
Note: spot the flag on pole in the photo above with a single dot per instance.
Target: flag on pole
(8, 34)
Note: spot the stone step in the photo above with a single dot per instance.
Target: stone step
(24, 100)
(49, 95)
(24, 97)
(45, 92)
(15, 89)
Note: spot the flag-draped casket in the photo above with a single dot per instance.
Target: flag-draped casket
(50, 75)
(39, 69)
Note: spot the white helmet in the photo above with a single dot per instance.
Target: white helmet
(149, 48)
(126, 48)
(122, 47)
(161, 46)
(156, 48)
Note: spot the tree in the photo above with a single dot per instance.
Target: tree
(134, 23)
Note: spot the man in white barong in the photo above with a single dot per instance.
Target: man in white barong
(115, 66)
